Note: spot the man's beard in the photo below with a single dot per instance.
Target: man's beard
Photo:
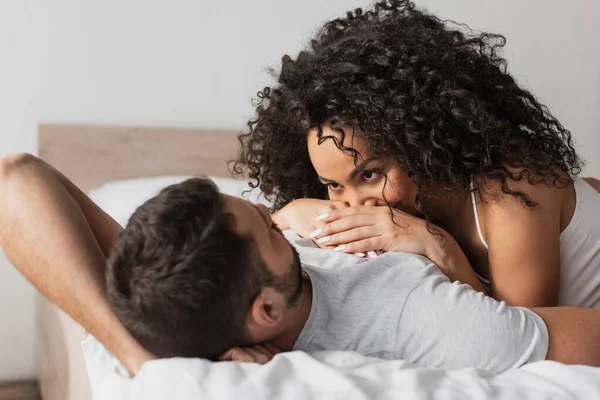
(296, 269)
(290, 284)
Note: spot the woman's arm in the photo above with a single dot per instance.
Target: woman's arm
(363, 228)
(524, 243)
(58, 238)
(452, 261)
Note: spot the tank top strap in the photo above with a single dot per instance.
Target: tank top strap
(474, 202)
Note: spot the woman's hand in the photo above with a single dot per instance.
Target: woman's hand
(365, 228)
(301, 215)
(259, 353)
(368, 228)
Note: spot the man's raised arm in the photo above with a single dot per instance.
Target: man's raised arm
(59, 239)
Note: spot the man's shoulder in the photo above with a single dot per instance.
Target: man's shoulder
(396, 273)
(389, 276)
(405, 265)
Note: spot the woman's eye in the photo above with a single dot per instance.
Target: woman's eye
(370, 175)
(333, 186)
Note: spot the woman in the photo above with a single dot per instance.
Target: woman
(391, 111)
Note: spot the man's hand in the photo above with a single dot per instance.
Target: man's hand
(259, 353)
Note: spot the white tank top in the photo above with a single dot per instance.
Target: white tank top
(579, 249)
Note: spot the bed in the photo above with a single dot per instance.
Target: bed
(93, 156)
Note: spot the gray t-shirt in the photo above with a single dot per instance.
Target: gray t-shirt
(401, 306)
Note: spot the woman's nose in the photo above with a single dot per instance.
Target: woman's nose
(355, 201)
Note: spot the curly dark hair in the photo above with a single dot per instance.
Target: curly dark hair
(433, 94)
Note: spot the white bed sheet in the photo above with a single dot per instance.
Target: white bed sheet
(330, 375)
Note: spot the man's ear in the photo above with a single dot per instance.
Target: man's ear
(268, 308)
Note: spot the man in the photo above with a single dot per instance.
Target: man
(50, 229)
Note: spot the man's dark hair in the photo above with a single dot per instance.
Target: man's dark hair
(180, 278)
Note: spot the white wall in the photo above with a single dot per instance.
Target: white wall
(20, 49)
(197, 63)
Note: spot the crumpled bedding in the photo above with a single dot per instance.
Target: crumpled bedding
(330, 375)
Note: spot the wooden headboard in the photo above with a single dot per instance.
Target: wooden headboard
(91, 156)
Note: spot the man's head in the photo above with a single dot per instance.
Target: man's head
(196, 272)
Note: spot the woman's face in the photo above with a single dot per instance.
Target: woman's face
(362, 182)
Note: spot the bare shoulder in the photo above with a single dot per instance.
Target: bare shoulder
(521, 220)
(532, 195)
(529, 190)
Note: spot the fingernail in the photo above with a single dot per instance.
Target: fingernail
(316, 233)
(324, 239)
(359, 254)
(371, 254)
(340, 248)
(322, 216)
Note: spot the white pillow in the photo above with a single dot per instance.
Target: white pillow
(120, 198)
